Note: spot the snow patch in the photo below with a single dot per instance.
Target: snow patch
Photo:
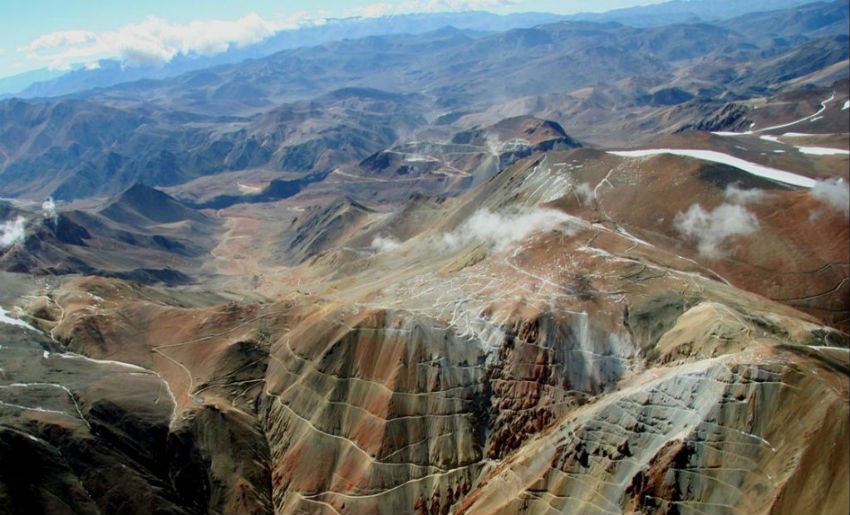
(818, 151)
(244, 188)
(6, 319)
(846, 105)
(824, 151)
(418, 158)
(728, 133)
(719, 157)
(70, 355)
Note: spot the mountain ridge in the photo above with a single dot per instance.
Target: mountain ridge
(111, 72)
(293, 118)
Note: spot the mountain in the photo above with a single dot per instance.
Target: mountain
(322, 230)
(807, 21)
(577, 267)
(143, 206)
(318, 109)
(142, 235)
(497, 67)
(530, 328)
(109, 72)
(21, 81)
(689, 11)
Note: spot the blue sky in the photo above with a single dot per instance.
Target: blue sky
(57, 33)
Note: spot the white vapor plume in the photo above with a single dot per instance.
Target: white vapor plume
(712, 229)
(384, 244)
(12, 232)
(499, 230)
(48, 209)
(835, 193)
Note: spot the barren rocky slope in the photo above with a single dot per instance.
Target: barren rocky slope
(526, 352)
(375, 302)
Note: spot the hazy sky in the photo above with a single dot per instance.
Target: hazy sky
(56, 33)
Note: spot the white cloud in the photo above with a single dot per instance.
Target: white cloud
(382, 244)
(153, 40)
(430, 6)
(499, 230)
(835, 193)
(156, 41)
(12, 232)
(736, 195)
(713, 229)
(585, 194)
(68, 38)
(48, 209)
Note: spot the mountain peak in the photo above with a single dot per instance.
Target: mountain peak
(143, 205)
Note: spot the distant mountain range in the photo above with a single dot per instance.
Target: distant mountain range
(112, 72)
(51, 83)
(314, 109)
(687, 11)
